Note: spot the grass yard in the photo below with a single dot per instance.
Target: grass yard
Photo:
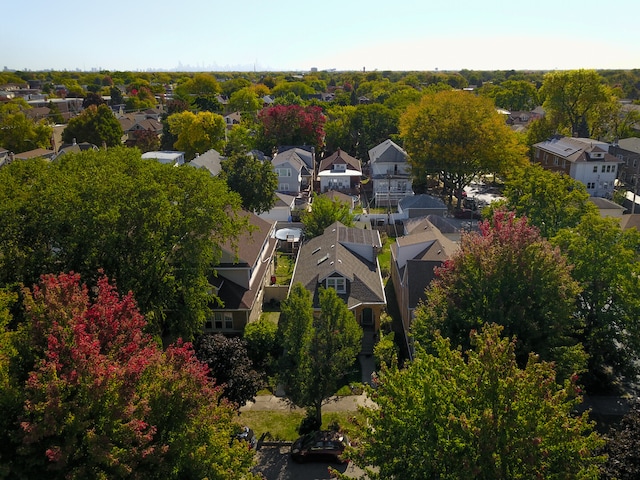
(284, 268)
(283, 425)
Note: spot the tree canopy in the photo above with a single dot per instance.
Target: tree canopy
(197, 132)
(291, 125)
(605, 264)
(155, 229)
(575, 101)
(318, 351)
(548, 200)
(255, 181)
(229, 366)
(456, 136)
(477, 415)
(506, 274)
(18, 132)
(96, 125)
(97, 397)
(325, 211)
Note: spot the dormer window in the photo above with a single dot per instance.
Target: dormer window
(339, 284)
(339, 167)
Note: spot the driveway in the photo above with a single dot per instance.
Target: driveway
(274, 463)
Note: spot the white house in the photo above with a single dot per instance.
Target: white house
(167, 157)
(389, 173)
(583, 159)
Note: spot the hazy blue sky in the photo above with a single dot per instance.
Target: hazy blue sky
(298, 35)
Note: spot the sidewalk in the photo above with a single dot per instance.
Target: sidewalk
(337, 404)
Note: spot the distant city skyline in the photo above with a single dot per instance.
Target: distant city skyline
(283, 35)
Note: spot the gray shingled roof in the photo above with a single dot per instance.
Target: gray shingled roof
(343, 251)
(387, 152)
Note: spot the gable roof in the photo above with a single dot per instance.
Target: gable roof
(421, 201)
(334, 195)
(631, 144)
(291, 157)
(305, 153)
(342, 251)
(387, 152)
(209, 160)
(340, 157)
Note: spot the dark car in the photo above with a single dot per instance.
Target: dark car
(247, 435)
(323, 445)
(467, 213)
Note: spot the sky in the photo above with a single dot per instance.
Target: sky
(289, 35)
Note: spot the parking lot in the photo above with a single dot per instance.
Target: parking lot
(274, 463)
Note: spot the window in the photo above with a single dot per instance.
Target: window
(608, 168)
(595, 169)
(613, 168)
(283, 187)
(283, 172)
(555, 161)
(228, 321)
(591, 185)
(564, 163)
(546, 156)
(339, 167)
(337, 283)
(217, 320)
(603, 168)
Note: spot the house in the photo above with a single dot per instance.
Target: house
(628, 151)
(349, 200)
(37, 153)
(294, 174)
(389, 173)
(630, 221)
(340, 172)
(282, 210)
(167, 157)
(346, 259)
(421, 206)
(414, 258)
(234, 118)
(75, 148)
(583, 159)
(241, 277)
(607, 208)
(209, 160)
(6, 157)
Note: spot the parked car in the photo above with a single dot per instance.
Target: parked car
(467, 213)
(247, 435)
(323, 445)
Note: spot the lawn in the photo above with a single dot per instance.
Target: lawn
(283, 425)
(284, 268)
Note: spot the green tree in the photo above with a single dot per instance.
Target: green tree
(549, 200)
(156, 229)
(477, 415)
(339, 131)
(197, 132)
(263, 344)
(103, 400)
(457, 136)
(573, 99)
(199, 84)
(240, 139)
(517, 95)
(245, 100)
(509, 275)
(371, 125)
(18, 132)
(325, 211)
(300, 89)
(97, 125)
(605, 263)
(318, 350)
(255, 181)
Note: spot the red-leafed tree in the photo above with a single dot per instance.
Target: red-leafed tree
(291, 125)
(509, 275)
(103, 400)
